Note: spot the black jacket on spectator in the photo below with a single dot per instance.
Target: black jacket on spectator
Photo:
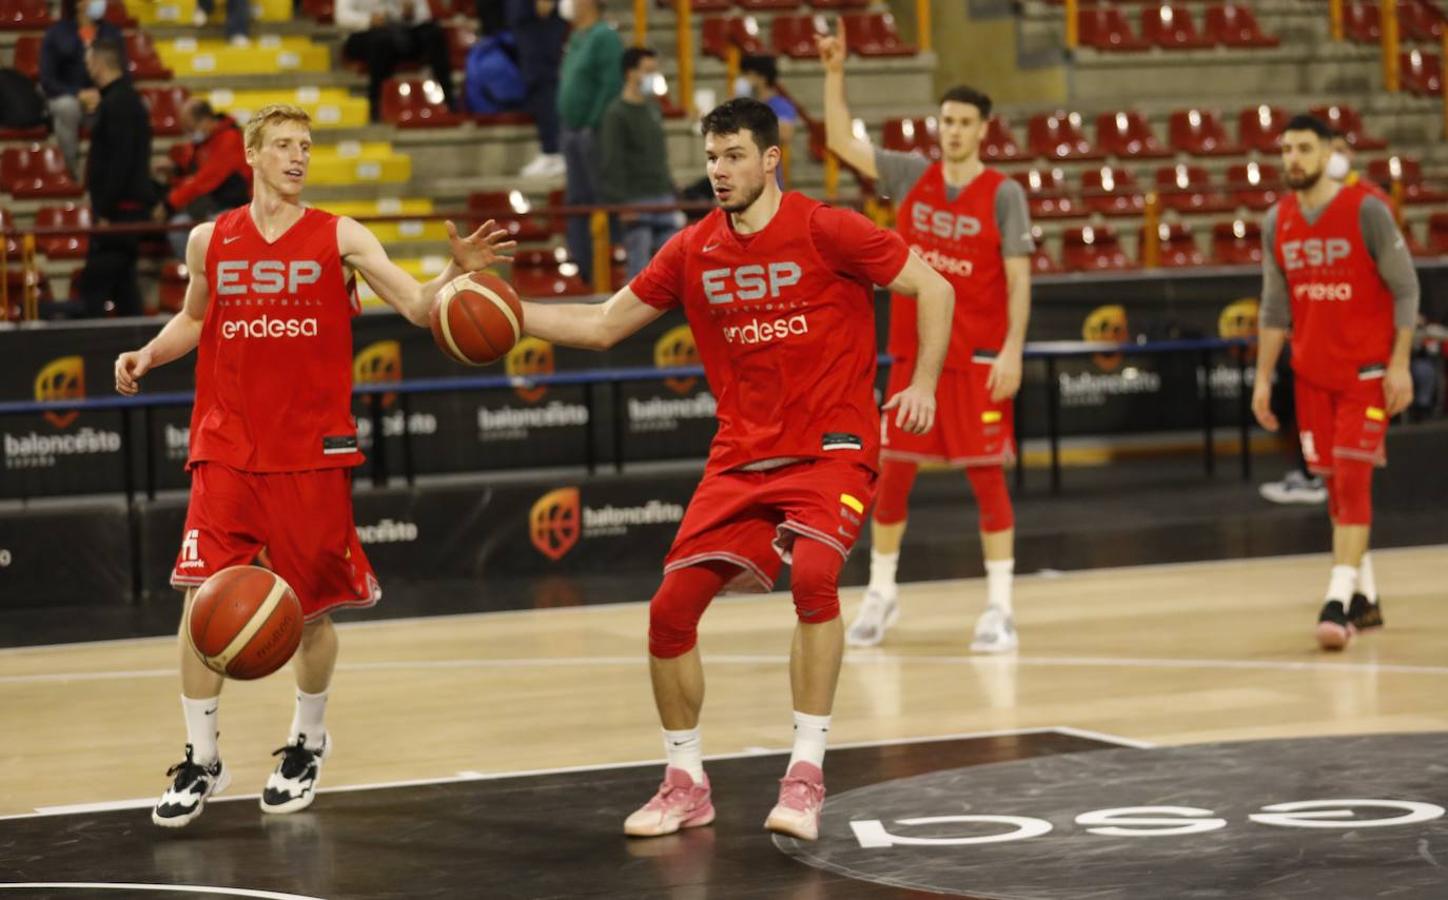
(118, 170)
(62, 56)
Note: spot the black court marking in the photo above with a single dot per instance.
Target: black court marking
(1346, 848)
(538, 836)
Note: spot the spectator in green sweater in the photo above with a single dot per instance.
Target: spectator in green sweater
(634, 159)
(589, 80)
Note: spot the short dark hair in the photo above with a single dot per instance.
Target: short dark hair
(1313, 124)
(763, 65)
(108, 50)
(733, 116)
(200, 108)
(964, 94)
(635, 55)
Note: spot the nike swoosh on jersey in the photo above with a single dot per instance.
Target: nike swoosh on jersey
(708, 247)
(230, 239)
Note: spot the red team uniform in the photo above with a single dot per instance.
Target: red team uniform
(785, 325)
(273, 439)
(1342, 330)
(962, 242)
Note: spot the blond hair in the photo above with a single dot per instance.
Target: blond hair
(275, 114)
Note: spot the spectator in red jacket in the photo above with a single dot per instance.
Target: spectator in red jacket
(212, 174)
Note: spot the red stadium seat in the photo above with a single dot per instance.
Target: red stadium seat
(1348, 121)
(1362, 22)
(840, 4)
(1092, 248)
(1189, 189)
(1235, 25)
(1200, 133)
(1105, 28)
(165, 104)
(27, 55)
(874, 34)
(767, 5)
(511, 211)
(1410, 172)
(319, 10)
(794, 36)
(1422, 73)
(63, 246)
(1438, 234)
(1171, 27)
(1112, 192)
(697, 6)
(1125, 133)
(999, 145)
(36, 170)
(1260, 127)
(1058, 136)
(546, 273)
(1237, 243)
(912, 136)
(414, 103)
(1178, 249)
(1420, 21)
(11, 247)
(718, 33)
(117, 15)
(1042, 263)
(1046, 194)
(142, 59)
(24, 15)
(1254, 185)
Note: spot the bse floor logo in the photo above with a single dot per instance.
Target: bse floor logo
(559, 520)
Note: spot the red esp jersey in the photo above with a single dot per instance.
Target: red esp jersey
(962, 242)
(785, 325)
(1342, 311)
(274, 365)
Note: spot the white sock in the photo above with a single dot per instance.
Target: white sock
(999, 574)
(882, 571)
(1341, 584)
(810, 735)
(1367, 584)
(307, 720)
(685, 750)
(201, 729)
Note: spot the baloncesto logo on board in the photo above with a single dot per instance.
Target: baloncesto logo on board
(559, 520)
(661, 411)
(529, 357)
(381, 363)
(59, 379)
(1112, 379)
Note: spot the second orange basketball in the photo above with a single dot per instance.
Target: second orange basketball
(477, 318)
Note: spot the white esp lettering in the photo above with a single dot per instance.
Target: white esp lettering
(265, 276)
(943, 223)
(1315, 252)
(752, 282)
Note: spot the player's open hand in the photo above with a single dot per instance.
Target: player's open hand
(1262, 404)
(1005, 376)
(1397, 389)
(480, 249)
(831, 48)
(914, 409)
(130, 366)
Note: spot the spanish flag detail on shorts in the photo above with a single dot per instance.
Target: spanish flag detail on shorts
(852, 503)
(1376, 414)
(990, 416)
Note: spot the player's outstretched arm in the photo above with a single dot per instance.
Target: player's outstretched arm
(589, 326)
(935, 303)
(839, 133)
(361, 250)
(180, 335)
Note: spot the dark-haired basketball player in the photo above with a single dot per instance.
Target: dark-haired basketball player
(1337, 272)
(269, 311)
(971, 224)
(778, 291)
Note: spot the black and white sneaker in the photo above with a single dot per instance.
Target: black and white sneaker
(186, 797)
(1364, 614)
(293, 786)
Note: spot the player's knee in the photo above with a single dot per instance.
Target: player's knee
(992, 497)
(815, 581)
(1352, 485)
(675, 611)
(893, 494)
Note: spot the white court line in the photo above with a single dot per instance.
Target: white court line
(1053, 574)
(146, 802)
(178, 888)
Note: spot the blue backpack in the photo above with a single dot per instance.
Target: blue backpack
(492, 82)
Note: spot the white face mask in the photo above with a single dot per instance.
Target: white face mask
(96, 10)
(652, 85)
(743, 87)
(565, 9)
(1338, 166)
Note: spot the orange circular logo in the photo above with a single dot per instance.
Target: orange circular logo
(553, 523)
(674, 349)
(1107, 324)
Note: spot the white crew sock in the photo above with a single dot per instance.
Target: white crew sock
(999, 575)
(201, 728)
(307, 720)
(1340, 585)
(810, 735)
(1367, 583)
(882, 571)
(685, 751)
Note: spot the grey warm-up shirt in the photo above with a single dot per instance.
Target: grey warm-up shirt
(1385, 245)
(899, 172)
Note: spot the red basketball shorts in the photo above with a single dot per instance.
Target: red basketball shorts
(1342, 424)
(751, 519)
(299, 524)
(970, 428)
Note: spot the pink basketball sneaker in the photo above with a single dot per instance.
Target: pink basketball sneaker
(680, 803)
(801, 798)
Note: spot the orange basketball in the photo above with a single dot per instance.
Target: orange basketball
(477, 318)
(245, 622)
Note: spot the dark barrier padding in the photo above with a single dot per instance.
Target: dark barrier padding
(76, 554)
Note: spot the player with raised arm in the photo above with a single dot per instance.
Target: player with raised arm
(1336, 272)
(269, 310)
(777, 289)
(972, 225)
